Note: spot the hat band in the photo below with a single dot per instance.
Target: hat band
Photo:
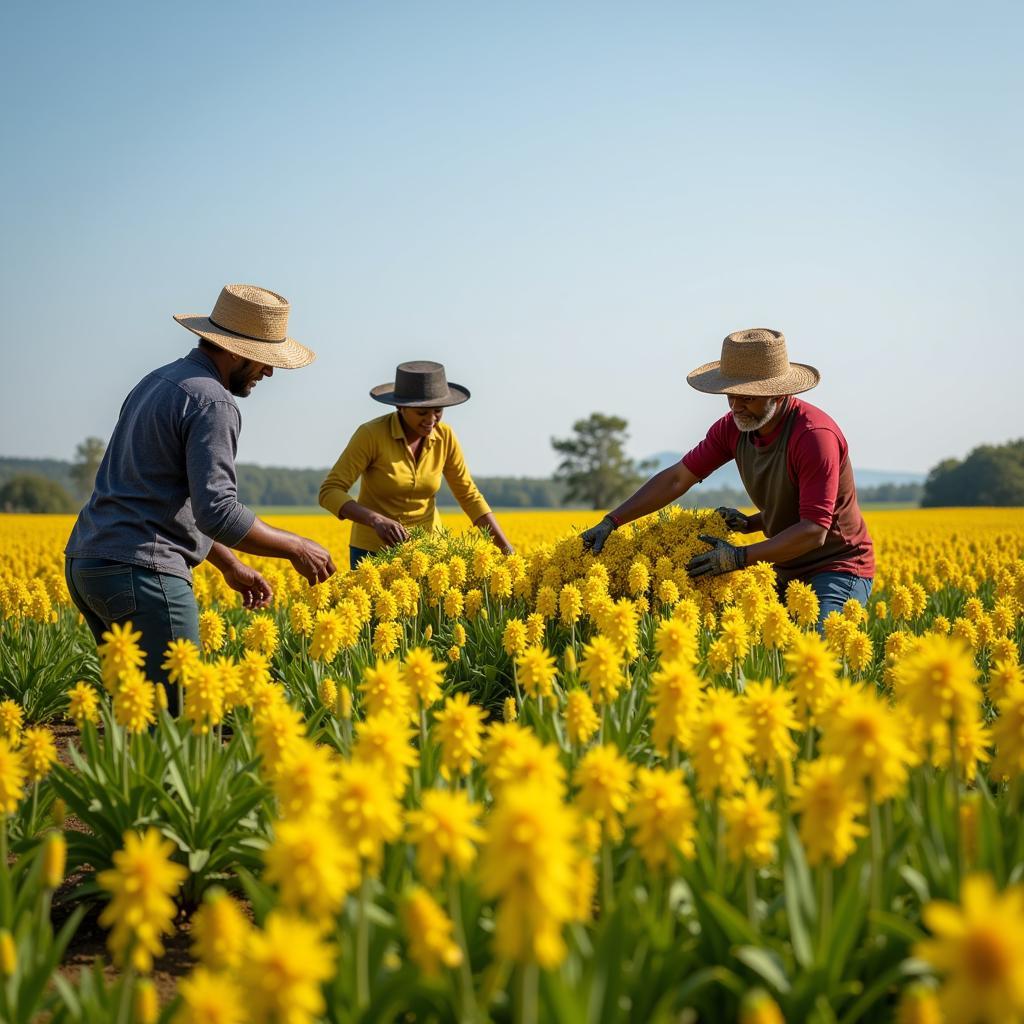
(251, 337)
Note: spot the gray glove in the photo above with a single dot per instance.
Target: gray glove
(734, 519)
(594, 538)
(722, 558)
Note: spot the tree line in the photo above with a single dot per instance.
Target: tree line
(594, 471)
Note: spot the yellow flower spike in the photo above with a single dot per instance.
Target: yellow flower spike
(8, 953)
(55, 854)
(147, 1005)
(758, 1007)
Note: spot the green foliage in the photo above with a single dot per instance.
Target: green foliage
(30, 492)
(595, 466)
(990, 475)
(39, 664)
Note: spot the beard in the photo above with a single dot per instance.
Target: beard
(747, 424)
(241, 380)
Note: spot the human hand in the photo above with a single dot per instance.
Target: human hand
(312, 561)
(594, 538)
(722, 558)
(390, 531)
(734, 519)
(255, 590)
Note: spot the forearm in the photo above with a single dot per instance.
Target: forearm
(221, 557)
(662, 489)
(360, 514)
(266, 540)
(490, 521)
(755, 523)
(794, 541)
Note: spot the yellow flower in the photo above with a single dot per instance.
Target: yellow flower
(570, 604)
(328, 692)
(180, 659)
(423, 675)
(802, 603)
(261, 635)
(722, 741)
(119, 653)
(937, 680)
(211, 631)
(283, 969)
(514, 754)
(328, 634)
(445, 832)
(867, 737)
(979, 949)
(529, 864)
(142, 883)
(674, 640)
(919, 1004)
(429, 931)
(536, 672)
(277, 726)
(384, 740)
(509, 711)
(204, 699)
(458, 726)
(8, 953)
(812, 667)
(581, 721)
(135, 703)
(38, 752)
(146, 1004)
(757, 1007)
(386, 637)
(603, 777)
(676, 697)
(601, 669)
(829, 808)
(663, 817)
(300, 618)
(769, 710)
(306, 780)
(12, 779)
(209, 998)
(366, 811)
(55, 855)
(1008, 734)
(311, 867)
(11, 720)
(384, 688)
(751, 825)
(219, 931)
(513, 639)
(83, 704)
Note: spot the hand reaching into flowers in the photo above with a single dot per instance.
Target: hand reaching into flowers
(255, 590)
(594, 539)
(722, 558)
(390, 530)
(734, 519)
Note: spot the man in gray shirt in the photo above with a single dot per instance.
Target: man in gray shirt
(166, 497)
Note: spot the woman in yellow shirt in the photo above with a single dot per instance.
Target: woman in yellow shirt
(401, 458)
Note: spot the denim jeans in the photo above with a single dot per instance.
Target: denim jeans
(356, 555)
(834, 589)
(162, 606)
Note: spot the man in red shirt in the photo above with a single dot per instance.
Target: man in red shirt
(794, 463)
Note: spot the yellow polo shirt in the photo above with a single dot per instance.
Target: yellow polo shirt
(396, 485)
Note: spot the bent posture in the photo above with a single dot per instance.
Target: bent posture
(166, 498)
(793, 461)
(401, 458)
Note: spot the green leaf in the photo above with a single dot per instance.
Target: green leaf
(766, 965)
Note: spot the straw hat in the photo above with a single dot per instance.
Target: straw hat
(754, 362)
(250, 322)
(420, 383)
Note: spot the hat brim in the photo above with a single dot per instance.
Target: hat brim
(385, 393)
(710, 379)
(287, 355)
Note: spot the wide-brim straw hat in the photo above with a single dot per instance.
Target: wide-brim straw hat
(422, 384)
(754, 362)
(251, 322)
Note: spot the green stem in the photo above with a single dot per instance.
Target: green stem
(954, 773)
(607, 878)
(751, 885)
(363, 945)
(825, 904)
(469, 1007)
(875, 827)
(526, 1010)
(124, 1014)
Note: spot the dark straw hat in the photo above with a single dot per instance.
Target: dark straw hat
(420, 383)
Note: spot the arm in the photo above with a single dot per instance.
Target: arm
(308, 558)
(255, 590)
(391, 531)
(792, 542)
(489, 521)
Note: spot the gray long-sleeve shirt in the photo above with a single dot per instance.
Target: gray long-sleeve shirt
(166, 487)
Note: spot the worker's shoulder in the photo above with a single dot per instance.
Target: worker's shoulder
(193, 378)
(810, 417)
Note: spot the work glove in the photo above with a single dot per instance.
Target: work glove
(734, 519)
(594, 538)
(722, 558)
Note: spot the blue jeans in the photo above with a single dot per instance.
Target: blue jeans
(356, 555)
(834, 589)
(161, 605)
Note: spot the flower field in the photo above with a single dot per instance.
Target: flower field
(459, 786)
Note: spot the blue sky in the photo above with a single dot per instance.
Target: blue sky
(568, 204)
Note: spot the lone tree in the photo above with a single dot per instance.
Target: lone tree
(86, 463)
(29, 492)
(595, 466)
